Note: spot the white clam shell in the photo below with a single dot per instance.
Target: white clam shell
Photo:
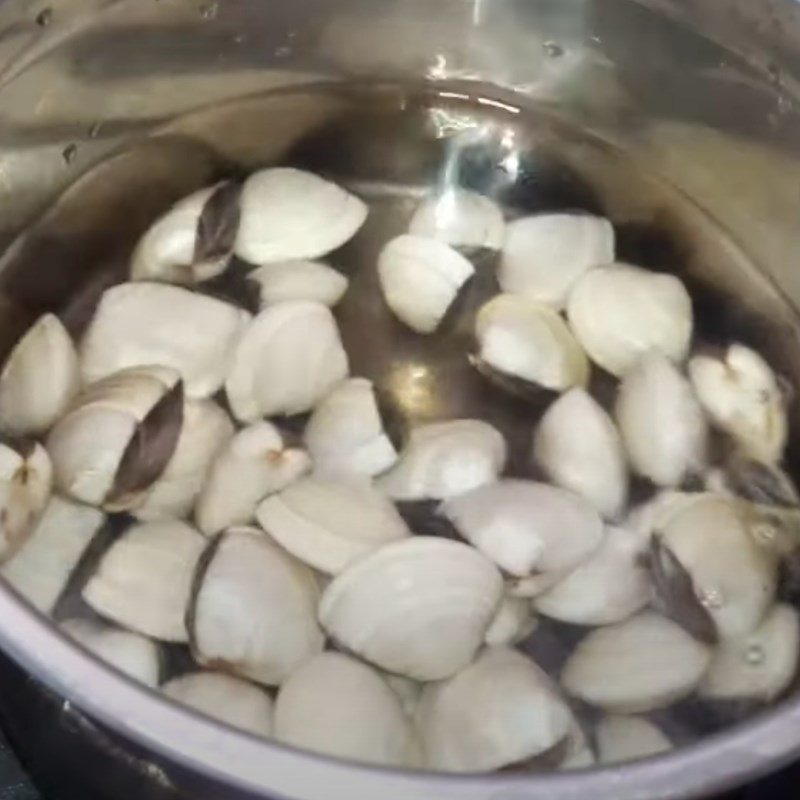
(222, 697)
(621, 739)
(419, 607)
(527, 527)
(290, 281)
(254, 464)
(254, 610)
(732, 576)
(130, 653)
(152, 323)
(340, 707)
(522, 339)
(289, 214)
(742, 397)
(345, 434)
(420, 278)
(206, 430)
(144, 580)
(408, 692)
(652, 516)
(166, 252)
(580, 754)
(579, 448)
(446, 459)
(329, 524)
(26, 480)
(513, 623)
(662, 424)
(760, 666)
(645, 663)
(39, 379)
(610, 586)
(619, 313)
(545, 255)
(41, 568)
(460, 218)
(499, 711)
(288, 359)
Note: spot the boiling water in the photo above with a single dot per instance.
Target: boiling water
(394, 145)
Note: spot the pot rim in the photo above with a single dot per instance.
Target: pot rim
(263, 767)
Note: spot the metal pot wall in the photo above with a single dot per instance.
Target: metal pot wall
(133, 103)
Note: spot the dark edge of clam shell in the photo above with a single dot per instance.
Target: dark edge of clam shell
(218, 223)
(200, 572)
(675, 590)
(548, 761)
(150, 449)
(395, 424)
(423, 518)
(510, 384)
(761, 484)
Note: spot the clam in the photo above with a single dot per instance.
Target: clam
(661, 422)
(137, 324)
(288, 359)
(41, 568)
(339, 707)
(579, 448)
(513, 623)
(407, 690)
(254, 609)
(254, 464)
(446, 459)
(420, 279)
(26, 479)
(193, 241)
(225, 698)
(205, 431)
(349, 432)
(527, 528)
(653, 515)
(620, 739)
(138, 657)
(610, 586)
(710, 571)
(619, 313)
(742, 396)
(290, 281)
(419, 607)
(523, 345)
(144, 581)
(289, 214)
(759, 666)
(39, 379)
(645, 663)
(500, 711)
(329, 524)
(545, 255)
(460, 218)
(118, 437)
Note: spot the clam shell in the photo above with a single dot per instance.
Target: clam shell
(41, 568)
(144, 580)
(545, 255)
(499, 711)
(288, 359)
(222, 697)
(253, 465)
(407, 690)
(652, 516)
(39, 379)
(527, 528)
(526, 341)
(579, 448)
(661, 422)
(645, 663)
(420, 279)
(151, 323)
(579, 753)
(290, 214)
(329, 524)
(339, 707)
(136, 656)
(419, 607)
(621, 312)
(446, 459)
(460, 218)
(254, 609)
(621, 739)
(513, 623)
(290, 281)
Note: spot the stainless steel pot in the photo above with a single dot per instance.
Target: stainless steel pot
(699, 96)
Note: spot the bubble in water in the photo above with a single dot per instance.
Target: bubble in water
(94, 131)
(553, 49)
(755, 655)
(44, 17)
(712, 598)
(209, 11)
(69, 153)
